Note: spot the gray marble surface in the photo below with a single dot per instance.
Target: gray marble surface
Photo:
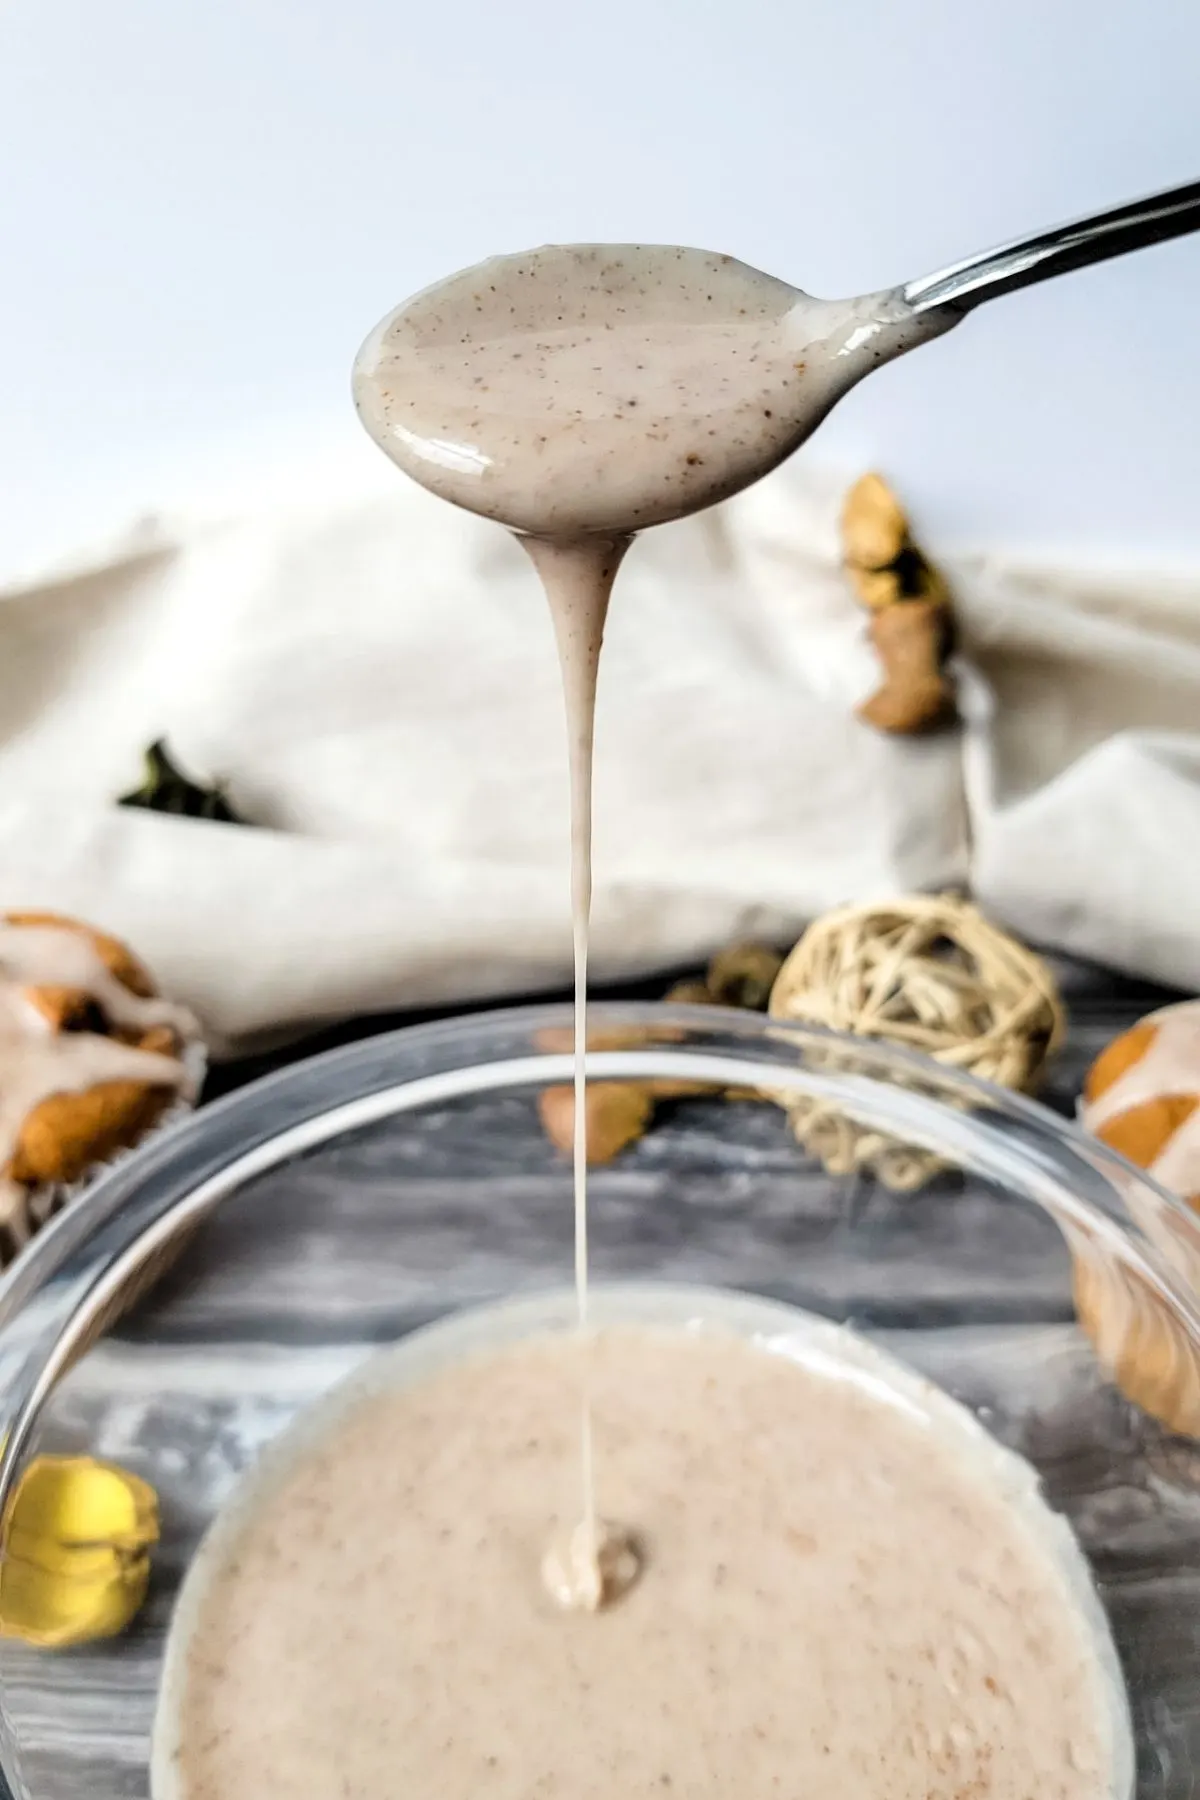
(297, 1277)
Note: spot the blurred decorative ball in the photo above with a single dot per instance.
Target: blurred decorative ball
(927, 973)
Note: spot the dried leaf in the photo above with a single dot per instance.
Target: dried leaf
(166, 789)
(743, 975)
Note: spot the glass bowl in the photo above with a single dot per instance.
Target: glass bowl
(176, 1317)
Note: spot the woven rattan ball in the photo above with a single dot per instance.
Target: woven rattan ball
(929, 973)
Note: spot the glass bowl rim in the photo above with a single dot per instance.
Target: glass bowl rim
(301, 1089)
(79, 1258)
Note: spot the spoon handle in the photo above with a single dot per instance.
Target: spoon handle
(1130, 227)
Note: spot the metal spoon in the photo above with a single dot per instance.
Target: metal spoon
(588, 389)
(1134, 226)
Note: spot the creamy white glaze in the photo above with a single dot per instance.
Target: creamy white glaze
(578, 579)
(848, 1585)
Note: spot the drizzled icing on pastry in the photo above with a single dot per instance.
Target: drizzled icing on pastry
(1169, 1066)
(38, 1060)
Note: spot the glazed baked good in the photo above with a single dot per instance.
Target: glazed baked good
(1142, 1097)
(91, 1057)
(1147, 1353)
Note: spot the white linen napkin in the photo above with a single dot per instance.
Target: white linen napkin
(373, 676)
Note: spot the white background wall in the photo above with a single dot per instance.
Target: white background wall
(205, 203)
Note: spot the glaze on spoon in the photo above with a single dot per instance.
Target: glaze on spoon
(599, 389)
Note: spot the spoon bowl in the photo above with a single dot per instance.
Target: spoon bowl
(588, 389)
(603, 388)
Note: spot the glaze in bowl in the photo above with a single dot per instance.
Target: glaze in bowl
(327, 1211)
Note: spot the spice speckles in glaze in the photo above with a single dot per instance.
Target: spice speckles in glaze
(607, 387)
(848, 1589)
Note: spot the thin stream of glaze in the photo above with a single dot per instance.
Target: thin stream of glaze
(578, 580)
(578, 394)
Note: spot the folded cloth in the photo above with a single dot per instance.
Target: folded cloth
(372, 677)
(1082, 761)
